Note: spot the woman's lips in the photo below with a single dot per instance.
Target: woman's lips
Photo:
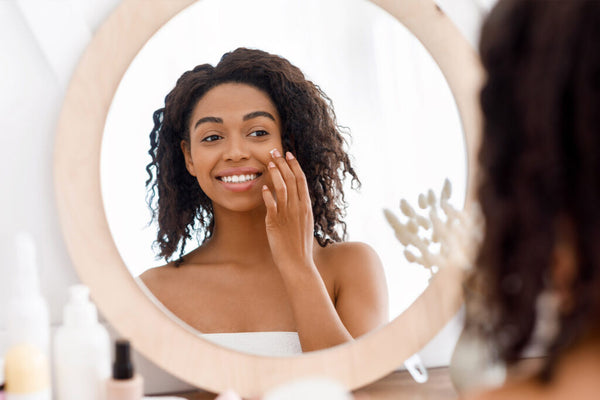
(241, 178)
(238, 179)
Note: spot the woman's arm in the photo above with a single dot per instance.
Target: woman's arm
(360, 287)
(289, 224)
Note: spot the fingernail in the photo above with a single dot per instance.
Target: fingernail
(271, 164)
(265, 187)
(289, 156)
(275, 153)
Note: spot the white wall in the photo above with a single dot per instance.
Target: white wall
(40, 43)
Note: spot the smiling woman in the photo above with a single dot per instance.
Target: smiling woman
(406, 135)
(390, 130)
(270, 258)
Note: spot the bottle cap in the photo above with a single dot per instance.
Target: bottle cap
(122, 367)
(26, 370)
(79, 310)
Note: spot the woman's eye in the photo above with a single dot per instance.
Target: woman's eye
(259, 133)
(211, 138)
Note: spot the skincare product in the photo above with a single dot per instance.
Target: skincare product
(1, 379)
(81, 350)
(26, 373)
(125, 384)
(26, 312)
(26, 361)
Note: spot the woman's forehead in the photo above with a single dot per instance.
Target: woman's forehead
(234, 98)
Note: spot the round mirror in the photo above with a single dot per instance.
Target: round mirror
(385, 88)
(96, 254)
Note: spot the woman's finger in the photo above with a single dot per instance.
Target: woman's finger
(278, 185)
(287, 174)
(301, 185)
(270, 202)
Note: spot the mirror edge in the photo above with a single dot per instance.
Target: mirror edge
(99, 265)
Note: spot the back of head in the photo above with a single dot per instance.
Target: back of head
(540, 168)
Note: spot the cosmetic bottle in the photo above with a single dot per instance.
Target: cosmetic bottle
(26, 373)
(81, 350)
(26, 312)
(26, 361)
(125, 384)
(1, 379)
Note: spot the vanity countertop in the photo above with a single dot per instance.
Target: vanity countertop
(398, 385)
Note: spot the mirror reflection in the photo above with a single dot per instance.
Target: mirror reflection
(405, 137)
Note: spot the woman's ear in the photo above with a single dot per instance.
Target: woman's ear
(189, 163)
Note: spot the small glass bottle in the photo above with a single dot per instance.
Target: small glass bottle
(125, 384)
(1, 379)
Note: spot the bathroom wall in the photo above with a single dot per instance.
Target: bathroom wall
(40, 44)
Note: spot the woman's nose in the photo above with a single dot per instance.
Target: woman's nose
(236, 150)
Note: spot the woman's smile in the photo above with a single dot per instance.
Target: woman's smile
(239, 179)
(232, 129)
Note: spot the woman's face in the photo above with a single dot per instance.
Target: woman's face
(232, 129)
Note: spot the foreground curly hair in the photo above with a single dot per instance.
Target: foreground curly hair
(309, 131)
(540, 164)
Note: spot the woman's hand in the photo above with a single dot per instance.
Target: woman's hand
(289, 220)
(290, 227)
(289, 224)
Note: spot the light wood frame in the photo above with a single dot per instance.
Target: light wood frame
(126, 306)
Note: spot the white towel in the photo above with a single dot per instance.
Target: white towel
(259, 343)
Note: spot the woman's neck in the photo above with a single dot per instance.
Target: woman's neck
(240, 236)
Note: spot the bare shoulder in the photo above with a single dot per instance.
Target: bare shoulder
(355, 257)
(352, 265)
(360, 289)
(170, 273)
(155, 278)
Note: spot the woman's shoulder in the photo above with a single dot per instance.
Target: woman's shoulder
(355, 272)
(156, 274)
(347, 250)
(174, 268)
(349, 259)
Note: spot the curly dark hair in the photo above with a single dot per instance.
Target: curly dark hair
(540, 164)
(309, 131)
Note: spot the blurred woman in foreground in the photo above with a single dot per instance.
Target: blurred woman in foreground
(538, 269)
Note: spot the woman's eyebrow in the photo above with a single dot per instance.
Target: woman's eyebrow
(208, 119)
(257, 114)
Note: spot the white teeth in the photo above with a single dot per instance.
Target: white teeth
(238, 178)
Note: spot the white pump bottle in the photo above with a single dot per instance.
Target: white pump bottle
(27, 315)
(81, 350)
(26, 348)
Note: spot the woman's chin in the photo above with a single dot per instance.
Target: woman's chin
(243, 206)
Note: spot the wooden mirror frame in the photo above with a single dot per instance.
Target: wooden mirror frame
(125, 304)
